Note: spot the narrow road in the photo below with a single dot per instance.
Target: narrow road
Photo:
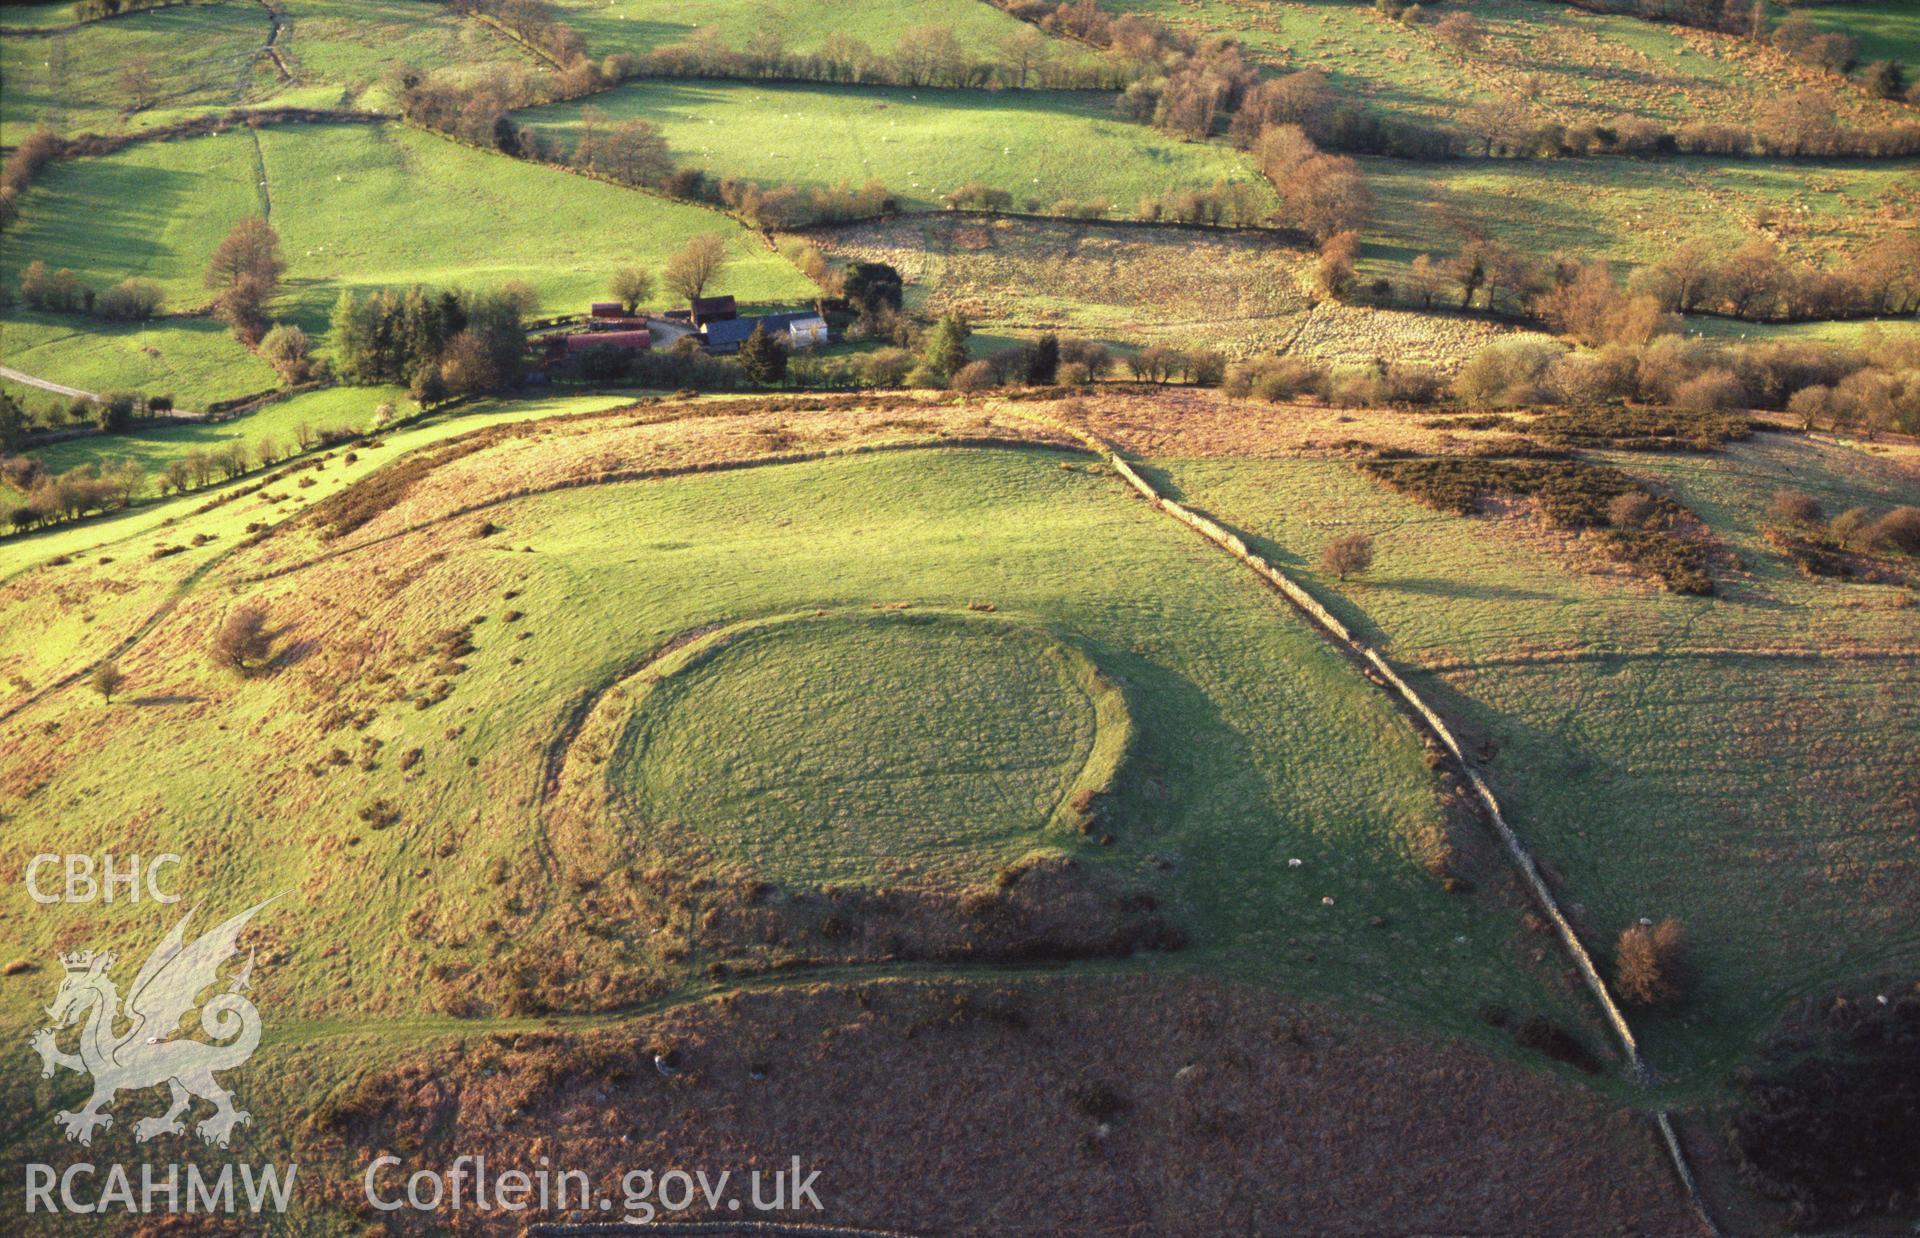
(43, 384)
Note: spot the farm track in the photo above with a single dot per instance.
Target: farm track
(8, 372)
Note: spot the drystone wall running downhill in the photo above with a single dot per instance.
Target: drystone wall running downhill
(1389, 678)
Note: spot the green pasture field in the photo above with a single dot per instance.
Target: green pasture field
(802, 25)
(37, 16)
(154, 447)
(920, 143)
(194, 360)
(350, 44)
(1680, 765)
(1562, 64)
(363, 207)
(1629, 211)
(1886, 29)
(201, 57)
(1839, 333)
(209, 57)
(1252, 744)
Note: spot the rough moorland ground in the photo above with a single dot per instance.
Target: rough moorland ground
(445, 644)
(1165, 1105)
(1736, 762)
(485, 651)
(1228, 290)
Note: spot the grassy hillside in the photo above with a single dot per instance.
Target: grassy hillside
(350, 44)
(1251, 744)
(1560, 63)
(334, 193)
(920, 143)
(154, 448)
(1633, 211)
(211, 56)
(1660, 752)
(194, 360)
(643, 25)
(1886, 29)
(200, 57)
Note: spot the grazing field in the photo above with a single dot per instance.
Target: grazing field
(644, 25)
(194, 360)
(153, 448)
(1735, 763)
(1842, 334)
(1886, 29)
(1632, 211)
(1224, 290)
(212, 56)
(199, 57)
(39, 16)
(920, 143)
(707, 772)
(350, 44)
(1559, 63)
(1250, 744)
(329, 190)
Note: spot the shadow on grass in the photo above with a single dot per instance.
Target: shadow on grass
(1443, 587)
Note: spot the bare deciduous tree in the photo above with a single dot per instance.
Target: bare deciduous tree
(696, 265)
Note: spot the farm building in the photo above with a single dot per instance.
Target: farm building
(714, 309)
(606, 309)
(637, 340)
(801, 329)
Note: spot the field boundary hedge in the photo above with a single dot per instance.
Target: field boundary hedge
(1376, 665)
(1294, 238)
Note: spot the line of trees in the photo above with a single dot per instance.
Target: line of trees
(928, 55)
(1752, 282)
(34, 152)
(113, 412)
(57, 498)
(1866, 389)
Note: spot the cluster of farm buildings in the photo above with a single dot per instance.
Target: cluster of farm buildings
(715, 321)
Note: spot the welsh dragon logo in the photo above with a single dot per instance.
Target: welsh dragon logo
(133, 1049)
